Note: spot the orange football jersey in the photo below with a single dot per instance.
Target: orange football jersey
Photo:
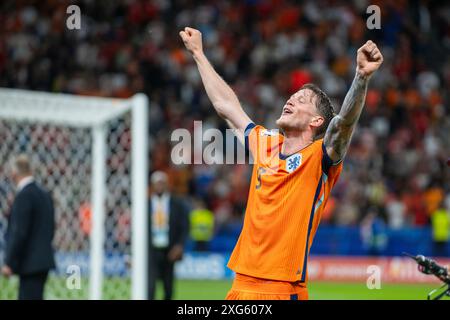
(286, 199)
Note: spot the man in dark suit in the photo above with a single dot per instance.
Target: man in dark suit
(29, 252)
(169, 228)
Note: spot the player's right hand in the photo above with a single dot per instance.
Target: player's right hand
(192, 39)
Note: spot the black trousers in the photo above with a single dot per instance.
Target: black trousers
(160, 268)
(31, 286)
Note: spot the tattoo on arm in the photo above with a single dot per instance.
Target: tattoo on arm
(339, 132)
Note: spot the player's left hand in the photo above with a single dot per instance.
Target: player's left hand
(6, 271)
(368, 59)
(176, 253)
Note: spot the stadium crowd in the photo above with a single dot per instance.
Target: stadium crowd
(266, 49)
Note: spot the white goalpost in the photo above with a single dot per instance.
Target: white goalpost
(91, 154)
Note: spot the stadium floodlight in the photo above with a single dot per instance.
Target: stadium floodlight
(91, 154)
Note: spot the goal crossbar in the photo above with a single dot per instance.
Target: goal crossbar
(60, 108)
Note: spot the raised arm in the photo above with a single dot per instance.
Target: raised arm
(222, 97)
(338, 135)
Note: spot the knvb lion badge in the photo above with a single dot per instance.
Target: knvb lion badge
(293, 162)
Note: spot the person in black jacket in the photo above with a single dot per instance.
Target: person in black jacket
(169, 228)
(29, 252)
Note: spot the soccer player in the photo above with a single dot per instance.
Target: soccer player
(293, 174)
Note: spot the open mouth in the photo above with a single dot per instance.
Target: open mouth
(286, 110)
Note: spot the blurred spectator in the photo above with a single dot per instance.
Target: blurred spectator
(440, 221)
(373, 233)
(202, 225)
(396, 212)
(169, 228)
(433, 198)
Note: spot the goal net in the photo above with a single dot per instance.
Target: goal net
(90, 153)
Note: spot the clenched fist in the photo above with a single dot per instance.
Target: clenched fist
(368, 59)
(192, 39)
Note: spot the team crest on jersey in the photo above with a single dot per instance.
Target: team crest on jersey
(270, 133)
(293, 162)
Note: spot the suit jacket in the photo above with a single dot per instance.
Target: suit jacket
(30, 232)
(178, 222)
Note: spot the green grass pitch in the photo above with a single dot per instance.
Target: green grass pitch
(118, 288)
(191, 289)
